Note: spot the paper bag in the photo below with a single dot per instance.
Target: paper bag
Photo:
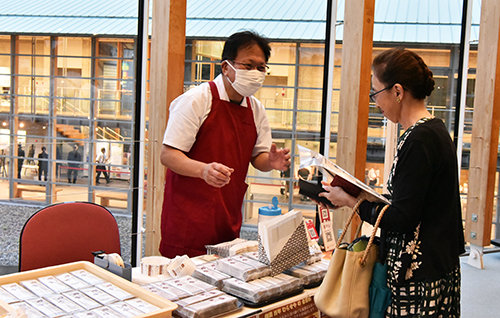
(283, 242)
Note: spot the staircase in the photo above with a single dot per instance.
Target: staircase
(70, 132)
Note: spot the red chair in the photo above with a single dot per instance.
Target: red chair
(67, 232)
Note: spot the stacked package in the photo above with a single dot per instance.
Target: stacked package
(208, 273)
(264, 289)
(310, 275)
(207, 304)
(234, 247)
(242, 267)
(78, 293)
(194, 297)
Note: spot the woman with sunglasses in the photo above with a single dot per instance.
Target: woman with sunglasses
(422, 231)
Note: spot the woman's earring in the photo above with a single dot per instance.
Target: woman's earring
(398, 100)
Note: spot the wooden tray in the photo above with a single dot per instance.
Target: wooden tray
(166, 306)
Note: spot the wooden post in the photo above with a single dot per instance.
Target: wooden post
(354, 93)
(167, 79)
(485, 129)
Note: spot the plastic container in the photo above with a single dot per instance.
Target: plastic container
(269, 212)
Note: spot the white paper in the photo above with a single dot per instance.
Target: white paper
(276, 232)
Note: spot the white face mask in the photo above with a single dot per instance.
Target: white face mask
(247, 82)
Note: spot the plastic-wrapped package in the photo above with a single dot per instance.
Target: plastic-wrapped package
(289, 283)
(162, 293)
(252, 255)
(244, 290)
(210, 307)
(244, 247)
(306, 277)
(199, 297)
(210, 275)
(262, 269)
(273, 290)
(245, 270)
(315, 253)
(169, 289)
(222, 249)
(190, 284)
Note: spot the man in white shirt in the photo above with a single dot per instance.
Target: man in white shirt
(102, 159)
(214, 131)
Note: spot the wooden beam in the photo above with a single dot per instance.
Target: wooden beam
(167, 80)
(485, 128)
(354, 93)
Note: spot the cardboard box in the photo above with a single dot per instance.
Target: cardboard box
(166, 307)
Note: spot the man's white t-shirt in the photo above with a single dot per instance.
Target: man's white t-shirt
(189, 111)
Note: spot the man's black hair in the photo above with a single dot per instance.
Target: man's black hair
(244, 39)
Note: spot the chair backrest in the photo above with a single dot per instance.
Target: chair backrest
(67, 232)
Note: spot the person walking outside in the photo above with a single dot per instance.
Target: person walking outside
(74, 159)
(43, 164)
(20, 160)
(101, 161)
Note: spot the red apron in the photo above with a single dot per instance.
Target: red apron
(194, 213)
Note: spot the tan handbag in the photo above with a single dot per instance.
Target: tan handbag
(344, 290)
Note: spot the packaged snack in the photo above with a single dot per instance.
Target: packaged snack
(29, 310)
(197, 298)
(99, 295)
(222, 249)
(180, 266)
(237, 269)
(141, 305)
(72, 281)
(7, 297)
(240, 248)
(106, 312)
(252, 255)
(114, 291)
(244, 290)
(81, 299)
(162, 293)
(261, 268)
(155, 266)
(55, 284)
(64, 303)
(166, 287)
(18, 291)
(124, 309)
(210, 307)
(185, 285)
(45, 307)
(210, 275)
(87, 277)
(86, 314)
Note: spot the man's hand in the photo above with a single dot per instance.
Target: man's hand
(279, 159)
(216, 174)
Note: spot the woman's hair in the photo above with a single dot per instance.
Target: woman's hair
(406, 68)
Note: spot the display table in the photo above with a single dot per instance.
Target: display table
(301, 305)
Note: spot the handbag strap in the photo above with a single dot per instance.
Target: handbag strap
(372, 237)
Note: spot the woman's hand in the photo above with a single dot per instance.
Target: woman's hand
(337, 196)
